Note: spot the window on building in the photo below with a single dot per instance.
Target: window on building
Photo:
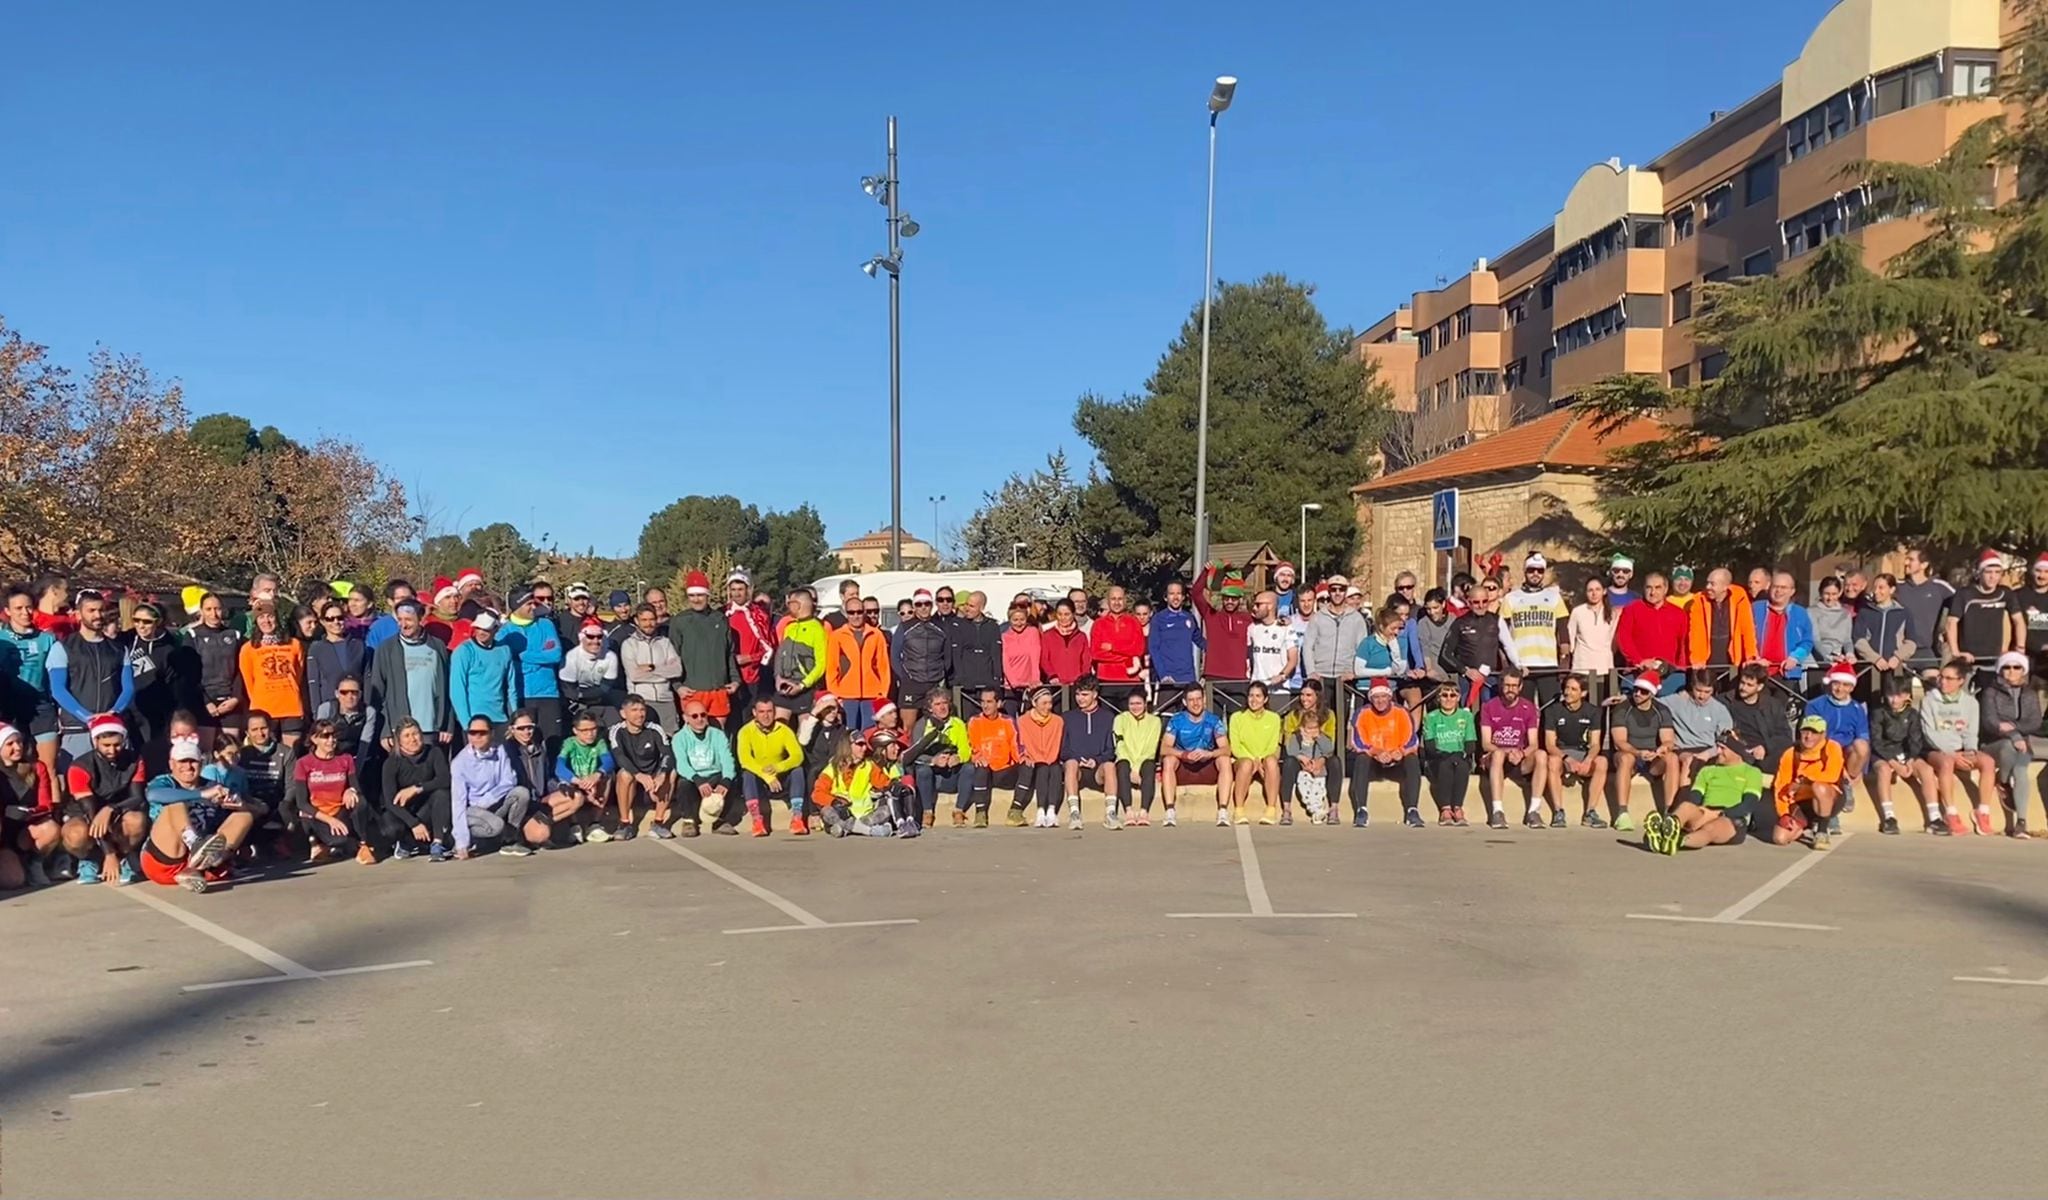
(1974, 78)
(1547, 293)
(1822, 223)
(1517, 374)
(1712, 365)
(1760, 181)
(1717, 275)
(1424, 343)
(1923, 84)
(1681, 303)
(1461, 323)
(1719, 202)
(1486, 383)
(1681, 376)
(1891, 93)
(1758, 263)
(1681, 224)
(1587, 330)
(1647, 234)
(1543, 365)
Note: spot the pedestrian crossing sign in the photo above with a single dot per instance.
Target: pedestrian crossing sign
(1443, 519)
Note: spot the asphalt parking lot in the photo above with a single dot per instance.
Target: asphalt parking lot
(1504, 1013)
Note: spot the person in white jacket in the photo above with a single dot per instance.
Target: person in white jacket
(590, 675)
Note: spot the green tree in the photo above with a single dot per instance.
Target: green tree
(793, 551)
(691, 530)
(234, 438)
(1293, 419)
(1042, 509)
(1862, 409)
(499, 550)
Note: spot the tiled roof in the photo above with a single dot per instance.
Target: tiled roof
(1567, 439)
(880, 537)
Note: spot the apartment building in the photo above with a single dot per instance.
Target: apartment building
(1610, 285)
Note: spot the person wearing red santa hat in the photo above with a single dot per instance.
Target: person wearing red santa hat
(446, 622)
(709, 650)
(753, 631)
(469, 592)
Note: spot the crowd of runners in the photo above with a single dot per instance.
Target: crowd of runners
(181, 745)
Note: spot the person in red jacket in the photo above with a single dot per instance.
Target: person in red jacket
(1118, 643)
(1228, 629)
(753, 630)
(1650, 634)
(1063, 654)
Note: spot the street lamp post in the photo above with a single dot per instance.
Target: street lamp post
(885, 190)
(1016, 548)
(1219, 99)
(935, 502)
(1302, 564)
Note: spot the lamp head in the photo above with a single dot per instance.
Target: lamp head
(1220, 96)
(1311, 508)
(871, 185)
(907, 227)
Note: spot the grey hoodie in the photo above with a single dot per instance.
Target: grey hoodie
(1330, 642)
(1832, 636)
(638, 650)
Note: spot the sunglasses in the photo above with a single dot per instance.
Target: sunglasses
(945, 599)
(333, 620)
(522, 729)
(479, 733)
(593, 637)
(348, 692)
(873, 612)
(1404, 587)
(696, 716)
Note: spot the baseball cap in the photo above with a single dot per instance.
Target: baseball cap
(1339, 581)
(521, 595)
(1813, 725)
(618, 596)
(186, 750)
(484, 621)
(1623, 562)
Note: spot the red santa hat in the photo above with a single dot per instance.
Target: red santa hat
(1841, 672)
(1649, 681)
(1990, 558)
(104, 724)
(697, 583)
(467, 578)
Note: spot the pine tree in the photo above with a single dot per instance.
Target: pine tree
(1860, 409)
(1041, 509)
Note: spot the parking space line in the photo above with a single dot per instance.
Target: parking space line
(2042, 982)
(1255, 894)
(288, 970)
(804, 918)
(1735, 913)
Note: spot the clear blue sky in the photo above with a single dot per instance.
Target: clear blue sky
(500, 245)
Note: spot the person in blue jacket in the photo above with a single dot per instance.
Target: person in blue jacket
(385, 627)
(1784, 631)
(481, 682)
(1848, 723)
(537, 651)
(1173, 637)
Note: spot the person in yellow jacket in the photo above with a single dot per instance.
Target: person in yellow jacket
(799, 655)
(937, 759)
(1137, 731)
(771, 768)
(856, 795)
(1255, 744)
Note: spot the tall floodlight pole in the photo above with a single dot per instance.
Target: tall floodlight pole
(886, 190)
(1306, 509)
(1219, 99)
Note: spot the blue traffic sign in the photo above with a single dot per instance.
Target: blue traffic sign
(1443, 519)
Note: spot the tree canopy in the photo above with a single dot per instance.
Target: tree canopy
(1041, 509)
(716, 533)
(1294, 419)
(1860, 409)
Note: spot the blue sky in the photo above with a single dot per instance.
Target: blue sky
(502, 249)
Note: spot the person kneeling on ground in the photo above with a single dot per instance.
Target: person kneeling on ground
(328, 799)
(771, 769)
(704, 774)
(486, 800)
(101, 821)
(583, 775)
(855, 795)
(1722, 806)
(195, 826)
(1808, 785)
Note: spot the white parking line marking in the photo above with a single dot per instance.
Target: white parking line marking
(1254, 890)
(2042, 982)
(102, 1092)
(288, 970)
(1735, 913)
(804, 918)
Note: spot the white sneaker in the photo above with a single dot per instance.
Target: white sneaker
(1074, 815)
(1170, 820)
(1222, 818)
(1110, 818)
(1047, 819)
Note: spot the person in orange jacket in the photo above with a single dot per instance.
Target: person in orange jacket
(857, 668)
(274, 674)
(1721, 626)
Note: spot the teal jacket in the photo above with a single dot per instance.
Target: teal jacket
(481, 682)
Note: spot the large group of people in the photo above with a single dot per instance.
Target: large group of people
(141, 743)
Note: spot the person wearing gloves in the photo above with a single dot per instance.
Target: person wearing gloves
(2010, 717)
(771, 768)
(486, 801)
(481, 680)
(537, 656)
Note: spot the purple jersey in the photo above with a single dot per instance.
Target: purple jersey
(1513, 726)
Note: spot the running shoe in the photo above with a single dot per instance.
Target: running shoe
(908, 829)
(1624, 823)
(126, 873)
(1593, 820)
(1361, 819)
(1888, 825)
(1653, 833)
(1670, 836)
(1458, 817)
(1015, 818)
(1532, 821)
(1170, 820)
(190, 880)
(1496, 820)
(88, 871)
(1939, 827)
(1412, 819)
(980, 819)
(959, 819)
(1984, 822)
(1557, 820)
(1446, 817)
(1222, 818)
(1140, 818)
(515, 849)
(1242, 817)
(1265, 818)
(1820, 839)
(626, 833)
(1956, 825)
(1287, 816)
(660, 831)
(38, 875)
(365, 855)
(1835, 823)
(759, 827)
(798, 826)
(1074, 815)
(2019, 831)
(596, 835)
(400, 852)
(209, 854)
(437, 853)
(1110, 819)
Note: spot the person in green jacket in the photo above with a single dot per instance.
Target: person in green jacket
(799, 656)
(1137, 731)
(1722, 806)
(939, 752)
(1449, 736)
(709, 651)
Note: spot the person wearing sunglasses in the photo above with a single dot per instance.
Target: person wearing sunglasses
(533, 765)
(325, 794)
(487, 802)
(537, 653)
(355, 728)
(336, 654)
(857, 667)
(705, 772)
(2010, 717)
(589, 676)
(917, 658)
(1478, 646)
(583, 775)
(166, 675)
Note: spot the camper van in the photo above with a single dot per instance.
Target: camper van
(891, 587)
